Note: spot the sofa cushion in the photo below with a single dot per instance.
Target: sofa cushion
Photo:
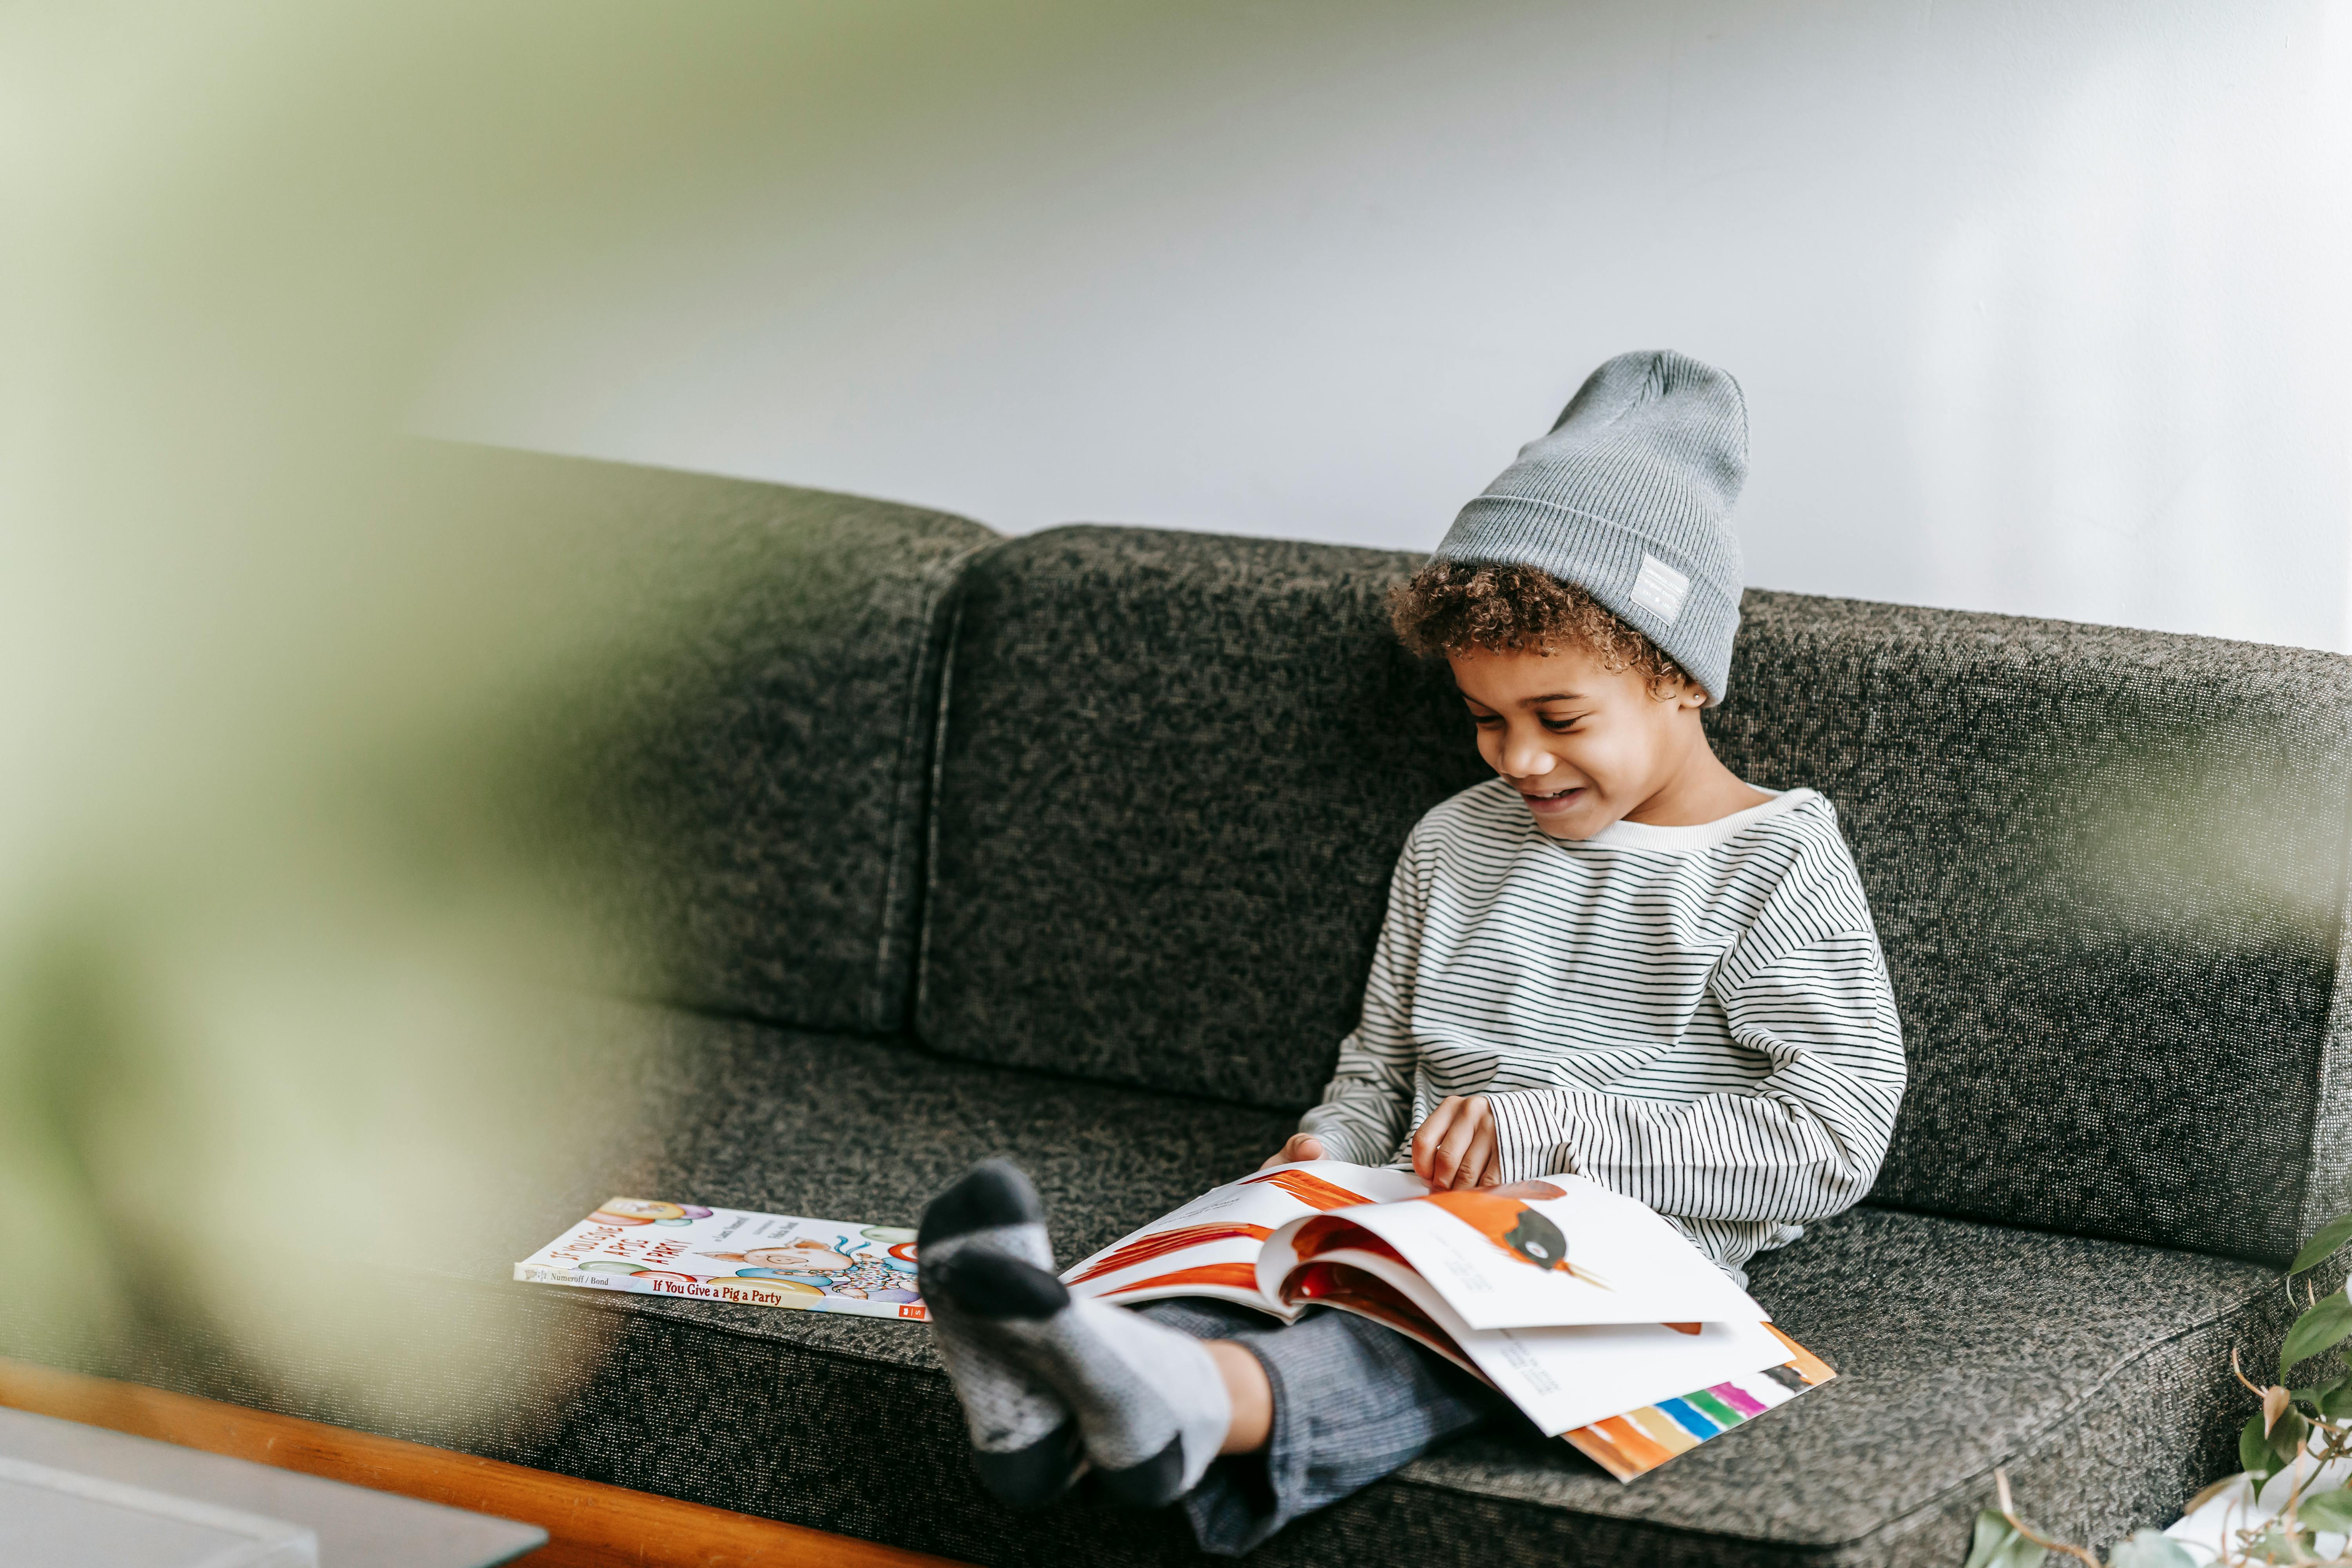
(2108, 866)
(732, 795)
(2097, 1371)
(1175, 772)
(2108, 872)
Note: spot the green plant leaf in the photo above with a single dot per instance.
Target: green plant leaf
(2318, 1330)
(2326, 1510)
(2272, 1546)
(2149, 1549)
(2336, 1399)
(2000, 1544)
(2254, 1450)
(2324, 1244)
(2316, 1394)
(2289, 1436)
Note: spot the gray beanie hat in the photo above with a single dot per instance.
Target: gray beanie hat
(1630, 499)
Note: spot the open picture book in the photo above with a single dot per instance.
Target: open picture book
(1600, 1320)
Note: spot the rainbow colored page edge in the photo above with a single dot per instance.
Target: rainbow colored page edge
(1638, 1441)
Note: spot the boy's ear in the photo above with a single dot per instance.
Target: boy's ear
(1686, 693)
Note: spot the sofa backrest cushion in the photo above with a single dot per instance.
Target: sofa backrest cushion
(1175, 772)
(732, 791)
(2108, 866)
(2108, 872)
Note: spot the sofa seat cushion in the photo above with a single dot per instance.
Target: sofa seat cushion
(2096, 1370)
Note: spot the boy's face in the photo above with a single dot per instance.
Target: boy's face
(1584, 746)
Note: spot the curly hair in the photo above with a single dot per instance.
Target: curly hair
(1465, 606)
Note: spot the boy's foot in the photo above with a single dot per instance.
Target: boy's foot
(1024, 1441)
(1149, 1400)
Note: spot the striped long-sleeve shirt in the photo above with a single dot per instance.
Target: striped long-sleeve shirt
(1698, 1017)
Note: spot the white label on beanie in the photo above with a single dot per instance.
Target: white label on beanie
(1661, 588)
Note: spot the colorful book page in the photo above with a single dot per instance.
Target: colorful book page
(1210, 1247)
(1555, 1253)
(1560, 1378)
(1637, 1442)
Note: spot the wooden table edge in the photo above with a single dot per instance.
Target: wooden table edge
(589, 1524)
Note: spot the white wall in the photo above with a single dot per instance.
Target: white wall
(2039, 306)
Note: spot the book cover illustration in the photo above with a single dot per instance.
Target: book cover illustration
(655, 1249)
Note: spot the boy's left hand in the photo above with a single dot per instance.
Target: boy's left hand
(1455, 1145)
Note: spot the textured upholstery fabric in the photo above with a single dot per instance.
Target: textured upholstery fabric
(2096, 1370)
(733, 794)
(2107, 868)
(2107, 865)
(1176, 772)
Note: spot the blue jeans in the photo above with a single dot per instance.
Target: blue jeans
(1352, 1401)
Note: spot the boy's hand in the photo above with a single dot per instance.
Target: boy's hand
(1302, 1146)
(1455, 1145)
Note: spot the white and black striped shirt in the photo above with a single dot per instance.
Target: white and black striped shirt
(1698, 1017)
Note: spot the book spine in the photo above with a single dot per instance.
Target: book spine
(743, 1293)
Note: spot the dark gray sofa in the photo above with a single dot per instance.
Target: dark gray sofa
(927, 846)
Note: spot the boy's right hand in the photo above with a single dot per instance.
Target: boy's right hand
(1455, 1144)
(1302, 1146)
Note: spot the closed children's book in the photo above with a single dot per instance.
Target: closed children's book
(732, 1254)
(1592, 1314)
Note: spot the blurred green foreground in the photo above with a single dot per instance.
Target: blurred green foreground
(292, 704)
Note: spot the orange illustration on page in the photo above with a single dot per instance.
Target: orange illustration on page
(1503, 1216)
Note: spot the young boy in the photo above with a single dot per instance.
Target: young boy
(1615, 957)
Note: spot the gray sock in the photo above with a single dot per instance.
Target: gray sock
(1151, 1401)
(1026, 1443)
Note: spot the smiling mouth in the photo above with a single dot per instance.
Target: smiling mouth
(1556, 800)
